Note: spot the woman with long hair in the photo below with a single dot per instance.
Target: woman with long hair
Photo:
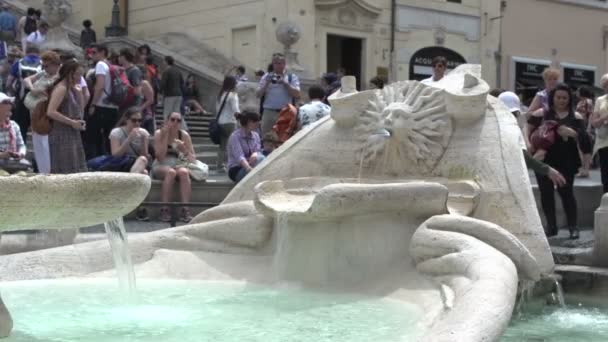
(40, 85)
(170, 144)
(227, 106)
(65, 108)
(128, 138)
(244, 148)
(562, 155)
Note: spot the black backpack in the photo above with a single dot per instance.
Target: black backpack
(30, 26)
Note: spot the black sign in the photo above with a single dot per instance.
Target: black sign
(578, 77)
(529, 75)
(421, 61)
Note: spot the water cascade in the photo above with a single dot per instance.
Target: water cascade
(117, 236)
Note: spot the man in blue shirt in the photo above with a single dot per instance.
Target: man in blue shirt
(277, 89)
(8, 25)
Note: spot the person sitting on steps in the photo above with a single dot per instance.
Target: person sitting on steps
(169, 143)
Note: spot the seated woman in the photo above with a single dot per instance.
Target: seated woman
(131, 140)
(172, 144)
(192, 95)
(11, 141)
(244, 148)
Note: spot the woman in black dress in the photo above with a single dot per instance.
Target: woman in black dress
(563, 156)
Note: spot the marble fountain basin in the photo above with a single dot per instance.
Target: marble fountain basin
(384, 243)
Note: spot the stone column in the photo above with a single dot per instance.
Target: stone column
(600, 231)
(114, 29)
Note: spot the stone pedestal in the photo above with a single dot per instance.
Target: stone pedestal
(56, 12)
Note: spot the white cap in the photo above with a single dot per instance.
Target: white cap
(4, 98)
(511, 100)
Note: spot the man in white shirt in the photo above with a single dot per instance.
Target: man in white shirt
(103, 115)
(439, 65)
(38, 37)
(315, 110)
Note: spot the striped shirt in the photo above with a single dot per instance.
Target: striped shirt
(5, 139)
(241, 146)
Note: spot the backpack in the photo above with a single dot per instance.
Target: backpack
(155, 80)
(286, 123)
(26, 70)
(122, 94)
(30, 26)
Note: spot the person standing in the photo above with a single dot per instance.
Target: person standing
(65, 109)
(599, 121)
(103, 115)
(38, 37)
(171, 87)
(27, 25)
(8, 25)
(39, 85)
(21, 69)
(227, 106)
(439, 65)
(88, 36)
(278, 89)
(563, 155)
(126, 58)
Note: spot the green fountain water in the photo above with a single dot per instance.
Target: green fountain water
(97, 310)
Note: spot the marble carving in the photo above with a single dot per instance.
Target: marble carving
(440, 214)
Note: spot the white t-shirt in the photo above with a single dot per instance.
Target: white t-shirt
(102, 68)
(231, 107)
(36, 38)
(136, 145)
(312, 112)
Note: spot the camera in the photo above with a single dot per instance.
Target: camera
(275, 78)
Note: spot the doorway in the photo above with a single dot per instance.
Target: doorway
(345, 52)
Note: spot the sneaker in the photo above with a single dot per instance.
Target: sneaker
(142, 215)
(185, 216)
(165, 215)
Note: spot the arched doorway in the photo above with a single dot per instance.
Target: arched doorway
(420, 63)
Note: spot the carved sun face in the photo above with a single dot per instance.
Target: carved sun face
(420, 127)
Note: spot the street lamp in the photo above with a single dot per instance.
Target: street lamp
(114, 29)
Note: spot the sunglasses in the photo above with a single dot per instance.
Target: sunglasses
(136, 120)
(176, 120)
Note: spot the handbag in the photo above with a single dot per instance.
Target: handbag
(111, 163)
(41, 123)
(198, 170)
(215, 130)
(544, 136)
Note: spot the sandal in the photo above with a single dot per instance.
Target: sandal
(185, 216)
(165, 215)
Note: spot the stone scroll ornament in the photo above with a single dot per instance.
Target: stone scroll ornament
(415, 114)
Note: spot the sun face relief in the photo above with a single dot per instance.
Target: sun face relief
(421, 128)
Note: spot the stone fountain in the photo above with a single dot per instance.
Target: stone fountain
(440, 214)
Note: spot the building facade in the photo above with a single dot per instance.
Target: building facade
(567, 34)
(393, 38)
(354, 34)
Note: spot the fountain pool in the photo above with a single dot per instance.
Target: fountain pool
(574, 322)
(96, 310)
